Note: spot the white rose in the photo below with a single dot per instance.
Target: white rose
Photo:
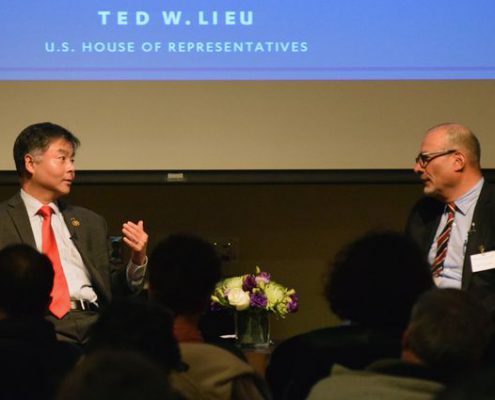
(238, 298)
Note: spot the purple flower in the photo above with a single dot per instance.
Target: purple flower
(263, 277)
(293, 306)
(249, 283)
(258, 300)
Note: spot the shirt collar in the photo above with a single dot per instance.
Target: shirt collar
(468, 199)
(33, 204)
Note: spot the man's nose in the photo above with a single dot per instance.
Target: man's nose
(418, 169)
(71, 166)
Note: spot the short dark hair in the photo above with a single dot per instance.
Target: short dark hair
(449, 330)
(26, 281)
(37, 137)
(123, 375)
(376, 279)
(183, 271)
(137, 325)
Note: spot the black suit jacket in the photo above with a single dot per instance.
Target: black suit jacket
(88, 232)
(422, 226)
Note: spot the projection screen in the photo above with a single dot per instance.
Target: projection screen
(247, 84)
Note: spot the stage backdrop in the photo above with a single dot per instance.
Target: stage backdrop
(247, 84)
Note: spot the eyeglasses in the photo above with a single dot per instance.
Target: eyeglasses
(424, 158)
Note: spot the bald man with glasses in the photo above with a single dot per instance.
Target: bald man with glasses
(455, 222)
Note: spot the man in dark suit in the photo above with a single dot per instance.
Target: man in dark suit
(455, 222)
(76, 237)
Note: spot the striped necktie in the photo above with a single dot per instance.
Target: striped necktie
(443, 241)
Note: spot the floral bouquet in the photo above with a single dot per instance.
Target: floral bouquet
(254, 292)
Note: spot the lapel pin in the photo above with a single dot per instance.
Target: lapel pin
(75, 222)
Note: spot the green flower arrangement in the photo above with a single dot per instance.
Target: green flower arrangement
(255, 292)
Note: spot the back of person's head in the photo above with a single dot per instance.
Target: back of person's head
(26, 281)
(122, 375)
(134, 324)
(449, 331)
(37, 138)
(376, 279)
(183, 271)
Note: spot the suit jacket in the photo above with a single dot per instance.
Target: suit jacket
(422, 226)
(88, 232)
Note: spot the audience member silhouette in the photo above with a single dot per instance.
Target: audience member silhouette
(183, 271)
(446, 338)
(33, 361)
(479, 385)
(371, 285)
(137, 325)
(122, 375)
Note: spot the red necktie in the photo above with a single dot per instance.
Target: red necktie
(443, 242)
(60, 304)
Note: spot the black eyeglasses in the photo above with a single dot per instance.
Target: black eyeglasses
(424, 158)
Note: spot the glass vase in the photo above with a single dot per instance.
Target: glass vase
(252, 329)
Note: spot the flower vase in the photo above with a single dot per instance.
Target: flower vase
(252, 329)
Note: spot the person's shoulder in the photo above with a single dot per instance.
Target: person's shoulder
(322, 338)
(488, 190)
(204, 359)
(343, 383)
(427, 204)
(199, 352)
(11, 201)
(425, 210)
(4, 206)
(320, 346)
(485, 206)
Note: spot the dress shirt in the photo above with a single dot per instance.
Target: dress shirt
(76, 274)
(451, 275)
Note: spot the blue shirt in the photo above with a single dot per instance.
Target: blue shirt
(451, 275)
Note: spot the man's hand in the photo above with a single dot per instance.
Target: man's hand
(137, 239)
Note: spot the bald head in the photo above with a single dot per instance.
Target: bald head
(448, 163)
(461, 138)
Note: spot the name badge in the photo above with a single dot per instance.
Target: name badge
(483, 261)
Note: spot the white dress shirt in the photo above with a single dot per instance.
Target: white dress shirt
(76, 274)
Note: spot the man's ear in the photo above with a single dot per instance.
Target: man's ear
(408, 355)
(459, 161)
(29, 163)
(405, 338)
